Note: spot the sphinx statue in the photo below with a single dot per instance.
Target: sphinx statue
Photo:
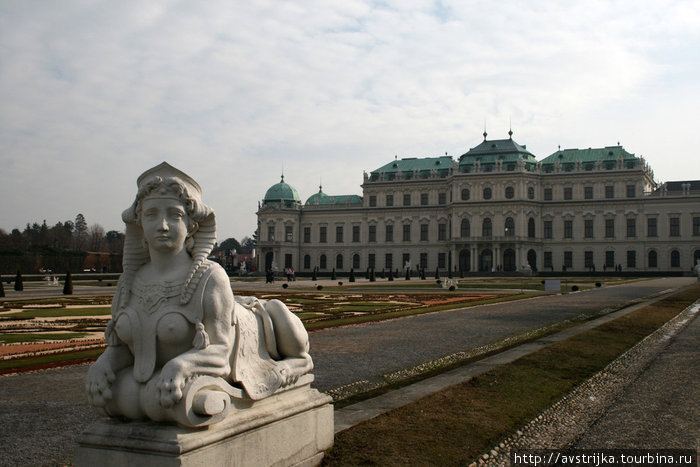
(180, 348)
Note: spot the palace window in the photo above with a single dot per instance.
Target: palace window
(424, 232)
(631, 191)
(307, 234)
(424, 260)
(568, 259)
(486, 228)
(588, 259)
(389, 200)
(464, 230)
(510, 192)
(588, 192)
(355, 233)
(372, 237)
(339, 262)
(442, 198)
(442, 231)
(674, 224)
(372, 201)
(389, 237)
(356, 261)
(338, 234)
(568, 193)
(530, 193)
(609, 191)
(371, 260)
(307, 262)
(568, 229)
(388, 261)
(322, 234)
(531, 228)
(407, 199)
(631, 259)
(441, 260)
(547, 229)
(631, 227)
(487, 193)
(609, 228)
(610, 259)
(675, 259)
(548, 263)
(424, 199)
(588, 228)
(652, 259)
(509, 227)
(465, 194)
(696, 226)
(548, 194)
(288, 235)
(322, 262)
(407, 232)
(651, 227)
(271, 233)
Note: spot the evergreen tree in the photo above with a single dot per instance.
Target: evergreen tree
(391, 275)
(2, 289)
(352, 275)
(437, 273)
(314, 277)
(18, 281)
(371, 275)
(408, 274)
(68, 286)
(333, 275)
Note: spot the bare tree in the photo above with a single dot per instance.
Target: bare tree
(96, 237)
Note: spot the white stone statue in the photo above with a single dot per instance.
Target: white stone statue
(697, 269)
(180, 348)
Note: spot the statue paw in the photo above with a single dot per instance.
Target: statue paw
(99, 384)
(171, 383)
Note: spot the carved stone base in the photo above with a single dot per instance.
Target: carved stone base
(293, 427)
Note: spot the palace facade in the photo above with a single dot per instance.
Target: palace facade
(494, 209)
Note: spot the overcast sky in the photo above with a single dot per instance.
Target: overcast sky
(233, 92)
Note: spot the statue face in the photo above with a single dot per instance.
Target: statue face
(164, 222)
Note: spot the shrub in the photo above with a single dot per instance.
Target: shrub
(319, 287)
(598, 284)
(452, 288)
(340, 282)
(68, 286)
(18, 282)
(574, 288)
(285, 285)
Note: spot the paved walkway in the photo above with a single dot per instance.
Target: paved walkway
(661, 409)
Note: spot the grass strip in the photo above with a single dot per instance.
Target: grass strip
(59, 312)
(413, 311)
(11, 338)
(458, 424)
(48, 360)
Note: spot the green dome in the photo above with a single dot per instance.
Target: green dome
(319, 198)
(281, 194)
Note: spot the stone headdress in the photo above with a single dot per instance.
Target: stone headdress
(200, 240)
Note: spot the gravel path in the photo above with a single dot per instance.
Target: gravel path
(646, 398)
(41, 412)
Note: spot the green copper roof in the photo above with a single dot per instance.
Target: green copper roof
(281, 194)
(606, 157)
(413, 167)
(322, 199)
(491, 152)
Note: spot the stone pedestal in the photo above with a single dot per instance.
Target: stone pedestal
(292, 427)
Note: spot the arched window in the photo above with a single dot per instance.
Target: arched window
(486, 229)
(510, 227)
(652, 259)
(487, 193)
(307, 262)
(356, 261)
(510, 192)
(464, 230)
(339, 262)
(531, 228)
(675, 259)
(322, 262)
(465, 194)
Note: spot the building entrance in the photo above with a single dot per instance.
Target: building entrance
(465, 260)
(486, 261)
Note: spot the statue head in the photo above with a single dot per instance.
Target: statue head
(166, 187)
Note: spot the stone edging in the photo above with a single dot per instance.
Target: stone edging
(564, 422)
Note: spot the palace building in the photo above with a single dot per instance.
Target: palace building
(496, 208)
